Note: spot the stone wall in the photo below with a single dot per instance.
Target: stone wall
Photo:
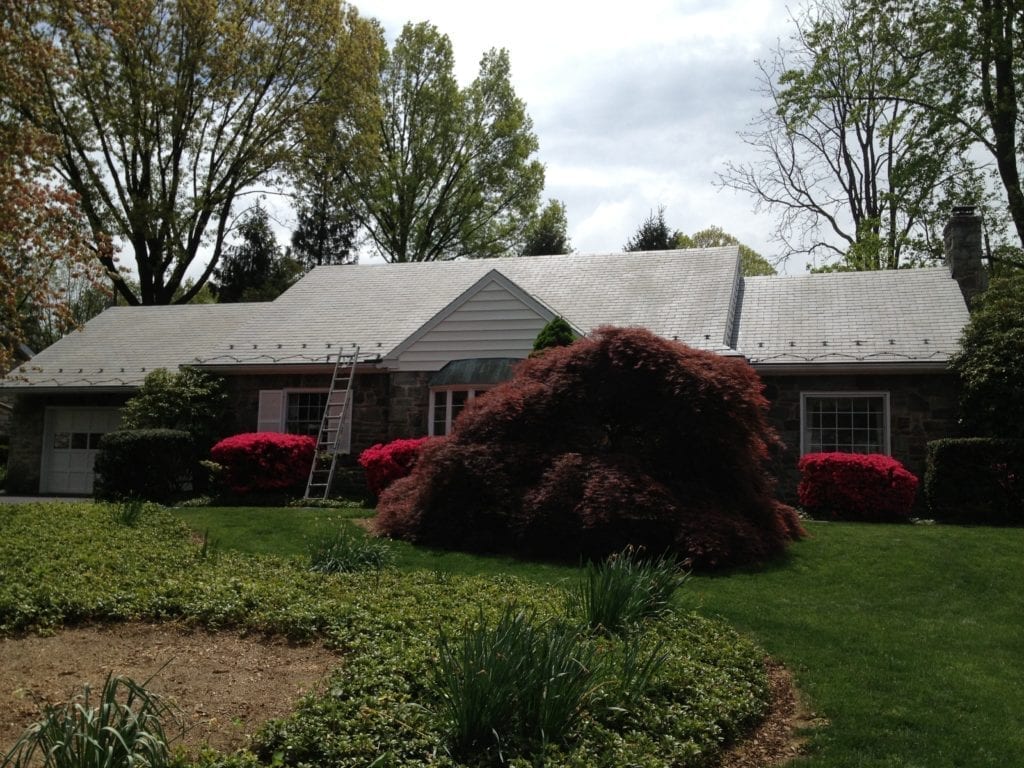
(385, 406)
(410, 404)
(923, 407)
(24, 463)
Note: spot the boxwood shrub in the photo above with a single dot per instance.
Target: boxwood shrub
(151, 464)
(975, 480)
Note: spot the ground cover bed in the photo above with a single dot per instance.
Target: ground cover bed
(904, 640)
(97, 565)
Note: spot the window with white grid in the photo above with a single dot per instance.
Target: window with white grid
(446, 404)
(845, 422)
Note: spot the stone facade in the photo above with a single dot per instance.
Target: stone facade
(923, 407)
(24, 462)
(410, 404)
(385, 406)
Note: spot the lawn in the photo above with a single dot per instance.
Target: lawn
(909, 640)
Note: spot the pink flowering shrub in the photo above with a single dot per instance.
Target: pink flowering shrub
(386, 462)
(854, 486)
(264, 461)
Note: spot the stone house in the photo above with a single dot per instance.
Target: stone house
(850, 361)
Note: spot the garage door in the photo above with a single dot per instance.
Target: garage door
(70, 439)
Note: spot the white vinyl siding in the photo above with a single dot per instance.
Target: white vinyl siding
(490, 323)
(844, 422)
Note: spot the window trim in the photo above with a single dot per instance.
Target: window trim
(472, 389)
(886, 414)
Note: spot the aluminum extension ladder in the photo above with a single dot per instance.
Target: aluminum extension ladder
(337, 416)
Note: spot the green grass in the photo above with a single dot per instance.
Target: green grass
(908, 640)
(290, 532)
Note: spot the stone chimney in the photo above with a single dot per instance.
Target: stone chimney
(962, 245)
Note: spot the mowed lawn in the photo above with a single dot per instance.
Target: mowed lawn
(907, 640)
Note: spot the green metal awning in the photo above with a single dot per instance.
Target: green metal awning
(478, 370)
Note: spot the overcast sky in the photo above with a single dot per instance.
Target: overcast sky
(634, 104)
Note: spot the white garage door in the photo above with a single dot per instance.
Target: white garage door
(70, 439)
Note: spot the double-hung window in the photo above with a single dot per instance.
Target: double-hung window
(304, 411)
(844, 422)
(300, 411)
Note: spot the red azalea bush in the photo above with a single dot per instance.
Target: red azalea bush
(856, 486)
(264, 461)
(621, 438)
(386, 462)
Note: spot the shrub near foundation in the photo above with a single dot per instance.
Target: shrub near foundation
(852, 486)
(150, 464)
(622, 438)
(386, 462)
(264, 461)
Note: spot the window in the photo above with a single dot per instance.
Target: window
(447, 404)
(845, 422)
(304, 412)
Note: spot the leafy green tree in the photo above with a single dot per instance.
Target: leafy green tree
(751, 262)
(847, 170)
(456, 174)
(653, 234)
(548, 233)
(190, 401)
(165, 110)
(338, 139)
(255, 269)
(46, 254)
(990, 363)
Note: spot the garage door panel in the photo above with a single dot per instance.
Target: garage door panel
(70, 446)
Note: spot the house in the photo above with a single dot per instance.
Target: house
(851, 361)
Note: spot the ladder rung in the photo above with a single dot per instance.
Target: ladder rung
(332, 424)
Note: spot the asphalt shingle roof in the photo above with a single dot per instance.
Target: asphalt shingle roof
(684, 294)
(696, 296)
(913, 315)
(123, 344)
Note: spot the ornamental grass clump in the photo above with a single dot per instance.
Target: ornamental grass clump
(124, 730)
(515, 684)
(622, 438)
(624, 589)
(347, 552)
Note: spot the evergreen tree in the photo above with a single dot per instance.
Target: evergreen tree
(255, 269)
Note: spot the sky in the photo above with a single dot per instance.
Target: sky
(635, 105)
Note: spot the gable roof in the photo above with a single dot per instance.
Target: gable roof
(911, 318)
(907, 316)
(686, 294)
(119, 347)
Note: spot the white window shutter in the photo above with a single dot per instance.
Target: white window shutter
(271, 412)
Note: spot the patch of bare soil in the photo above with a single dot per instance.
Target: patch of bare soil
(223, 685)
(226, 685)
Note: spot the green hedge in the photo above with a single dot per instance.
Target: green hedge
(976, 480)
(150, 464)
